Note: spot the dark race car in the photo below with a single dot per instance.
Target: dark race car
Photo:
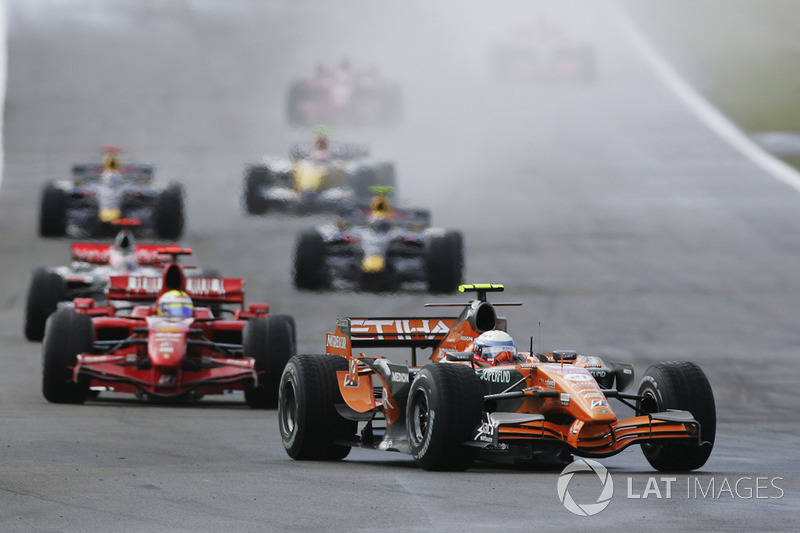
(343, 95)
(517, 407)
(380, 249)
(168, 344)
(323, 177)
(99, 194)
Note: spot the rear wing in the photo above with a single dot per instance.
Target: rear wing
(132, 172)
(98, 254)
(201, 290)
(408, 332)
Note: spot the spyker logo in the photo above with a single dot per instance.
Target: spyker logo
(585, 509)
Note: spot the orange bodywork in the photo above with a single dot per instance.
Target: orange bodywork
(541, 397)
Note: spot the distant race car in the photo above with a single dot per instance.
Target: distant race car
(530, 407)
(343, 95)
(167, 350)
(86, 276)
(99, 194)
(316, 178)
(542, 52)
(380, 248)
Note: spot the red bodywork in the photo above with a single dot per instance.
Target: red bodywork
(138, 351)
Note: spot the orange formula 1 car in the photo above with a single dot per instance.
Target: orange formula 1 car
(171, 337)
(457, 408)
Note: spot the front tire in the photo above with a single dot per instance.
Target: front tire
(53, 212)
(445, 262)
(169, 213)
(45, 290)
(310, 272)
(679, 385)
(444, 407)
(271, 342)
(67, 334)
(256, 177)
(309, 422)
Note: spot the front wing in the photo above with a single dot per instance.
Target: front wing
(500, 429)
(120, 373)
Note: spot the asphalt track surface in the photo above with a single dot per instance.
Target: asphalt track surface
(628, 229)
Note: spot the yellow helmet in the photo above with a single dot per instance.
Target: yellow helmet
(175, 304)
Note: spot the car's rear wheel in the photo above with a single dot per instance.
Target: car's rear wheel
(679, 385)
(53, 212)
(444, 407)
(67, 334)
(271, 342)
(45, 290)
(310, 426)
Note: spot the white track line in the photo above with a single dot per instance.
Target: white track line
(715, 120)
(3, 66)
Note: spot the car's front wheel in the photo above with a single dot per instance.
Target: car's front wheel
(444, 406)
(679, 385)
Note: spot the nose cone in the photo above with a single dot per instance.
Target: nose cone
(109, 214)
(373, 264)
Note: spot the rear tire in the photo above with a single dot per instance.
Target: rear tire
(168, 213)
(309, 422)
(53, 212)
(45, 290)
(679, 385)
(445, 403)
(67, 334)
(445, 262)
(271, 342)
(310, 272)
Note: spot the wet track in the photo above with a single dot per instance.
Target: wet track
(628, 229)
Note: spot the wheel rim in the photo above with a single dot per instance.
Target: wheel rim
(288, 409)
(419, 418)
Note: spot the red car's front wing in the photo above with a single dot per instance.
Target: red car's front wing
(119, 374)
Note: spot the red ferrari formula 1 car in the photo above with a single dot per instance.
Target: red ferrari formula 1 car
(173, 349)
(458, 408)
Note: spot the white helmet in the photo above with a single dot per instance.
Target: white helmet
(491, 344)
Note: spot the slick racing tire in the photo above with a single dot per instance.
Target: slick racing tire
(445, 262)
(253, 199)
(679, 385)
(310, 272)
(53, 212)
(168, 213)
(67, 334)
(45, 290)
(271, 342)
(309, 423)
(444, 408)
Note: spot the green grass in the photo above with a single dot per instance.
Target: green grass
(742, 55)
